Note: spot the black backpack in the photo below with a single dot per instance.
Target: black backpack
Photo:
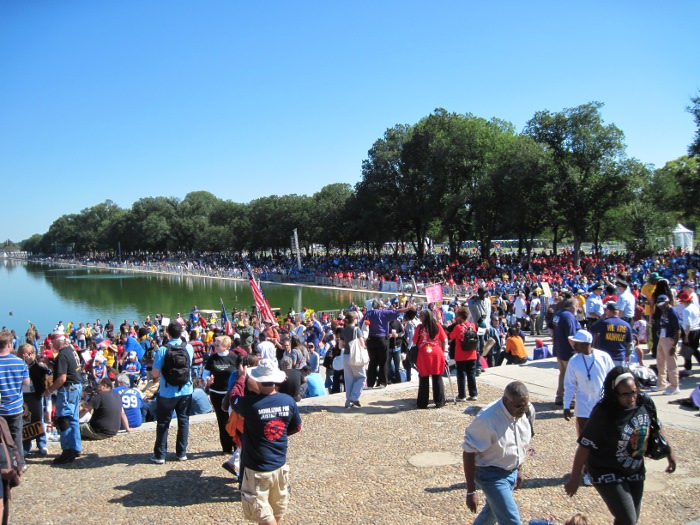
(176, 365)
(470, 341)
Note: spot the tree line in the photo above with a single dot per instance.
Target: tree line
(449, 177)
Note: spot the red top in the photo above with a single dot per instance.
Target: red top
(431, 355)
(457, 335)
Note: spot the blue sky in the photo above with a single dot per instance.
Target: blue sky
(122, 100)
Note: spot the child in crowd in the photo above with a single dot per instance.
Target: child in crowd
(541, 350)
(133, 368)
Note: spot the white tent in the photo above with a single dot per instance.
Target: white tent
(683, 238)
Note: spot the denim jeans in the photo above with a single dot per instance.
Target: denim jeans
(164, 414)
(68, 406)
(35, 404)
(393, 365)
(354, 379)
(497, 485)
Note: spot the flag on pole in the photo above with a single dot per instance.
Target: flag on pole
(225, 323)
(259, 297)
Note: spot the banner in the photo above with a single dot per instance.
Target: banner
(433, 293)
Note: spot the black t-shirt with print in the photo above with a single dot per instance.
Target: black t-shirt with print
(67, 362)
(221, 368)
(616, 443)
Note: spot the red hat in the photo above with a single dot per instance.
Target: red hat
(539, 342)
(684, 297)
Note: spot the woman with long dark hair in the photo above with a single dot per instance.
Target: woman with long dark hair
(612, 446)
(432, 345)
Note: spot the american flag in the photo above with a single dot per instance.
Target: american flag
(259, 297)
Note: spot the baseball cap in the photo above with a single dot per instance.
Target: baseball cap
(581, 336)
(661, 299)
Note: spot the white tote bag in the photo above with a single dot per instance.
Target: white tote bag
(358, 351)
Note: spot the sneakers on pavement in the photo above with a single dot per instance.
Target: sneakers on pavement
(67, 456)
(587, 480)
(182, 458)
(229, 468)
(157, 461)
(43, 451)
(656, 389)
(671, 392)
(472, 398)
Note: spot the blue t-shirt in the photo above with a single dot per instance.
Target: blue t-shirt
(13, 371)
(132, 345)
(267, 419)
(132, 400)
(565, 325)
(166, 390)
(315, 385)
(200, 403)
(614, 335)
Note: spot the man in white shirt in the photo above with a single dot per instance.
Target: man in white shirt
(266, 349)
(535, 313)
(494, 449)
(520, 308)
(690, 323)
(584, 380)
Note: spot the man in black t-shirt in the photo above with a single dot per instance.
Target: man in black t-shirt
(68, 386)
(107, 413)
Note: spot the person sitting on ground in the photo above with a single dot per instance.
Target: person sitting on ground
(515, 353)
(132, 400)
(200, 403)
(541, 350)
(314, 383)
(107, 413)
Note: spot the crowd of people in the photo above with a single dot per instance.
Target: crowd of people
(89, 380)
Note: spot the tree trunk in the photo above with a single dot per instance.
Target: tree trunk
(577, 250)
(555, 239)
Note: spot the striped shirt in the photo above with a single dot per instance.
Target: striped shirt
(13, 371)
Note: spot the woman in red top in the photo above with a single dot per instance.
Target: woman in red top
(465, 360)
(431, 340)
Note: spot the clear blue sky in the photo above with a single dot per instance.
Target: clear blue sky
(122, 100)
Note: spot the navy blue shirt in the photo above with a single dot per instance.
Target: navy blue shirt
(614, 335)
(565, 325)
(267, 420)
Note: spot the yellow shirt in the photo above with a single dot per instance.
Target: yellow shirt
(648, 291)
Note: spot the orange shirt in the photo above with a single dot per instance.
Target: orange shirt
(516, 347)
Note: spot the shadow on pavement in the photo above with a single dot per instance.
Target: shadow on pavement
(175, 489)
(90, 461)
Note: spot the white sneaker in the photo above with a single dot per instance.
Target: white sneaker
(656, 389)
(587, 480)
(671, 392)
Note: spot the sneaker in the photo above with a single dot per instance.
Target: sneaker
(587, 481)
(182, 458)
(24, 468)
(43, 451)
(461, 398)
(656, 389)
(157, 461)
(229, 468)
(356, 403)
(671, 392)
(472, 398)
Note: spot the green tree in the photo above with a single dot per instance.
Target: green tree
(329, 206)
(581, 146)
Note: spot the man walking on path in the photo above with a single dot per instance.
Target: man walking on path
(564, 324)
(14, 375)
(584, 380)
(172, 396)
(269, 418)
(494, 449)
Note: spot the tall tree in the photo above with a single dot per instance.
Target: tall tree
(694, 109)
(581, 145)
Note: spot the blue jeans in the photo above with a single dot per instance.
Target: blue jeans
(393, 365)
(164, 414)
(68, 406)
(498, 486)
(354, 377)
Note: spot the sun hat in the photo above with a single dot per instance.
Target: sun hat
(582, 336)
(684, 297)
(267, 372)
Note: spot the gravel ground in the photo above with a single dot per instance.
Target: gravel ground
(371, 465)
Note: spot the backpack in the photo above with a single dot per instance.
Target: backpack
(9, 457)
(470, 341)
(176, 365)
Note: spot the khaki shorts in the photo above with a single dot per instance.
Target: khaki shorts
(265, 495)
